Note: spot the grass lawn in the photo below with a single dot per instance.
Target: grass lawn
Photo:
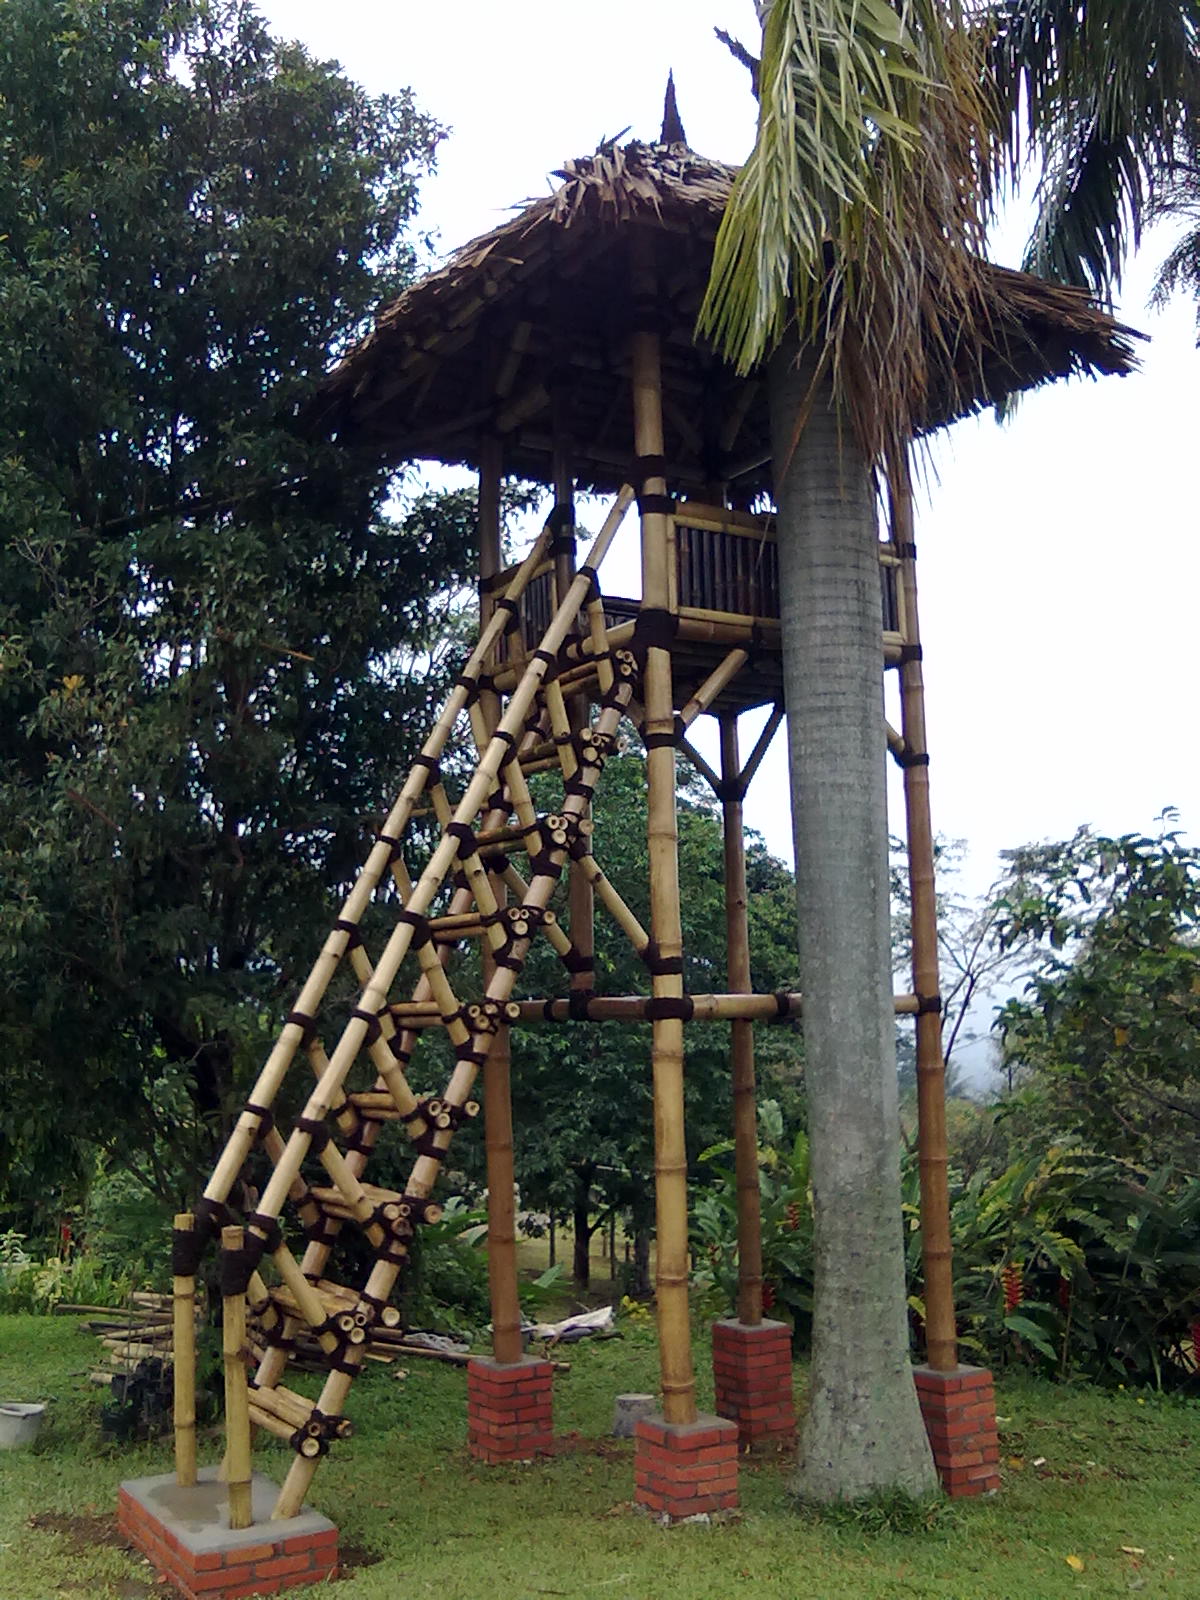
(1085, 1473)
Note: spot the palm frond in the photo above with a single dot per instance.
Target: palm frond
(861, 208)
(1100, 91)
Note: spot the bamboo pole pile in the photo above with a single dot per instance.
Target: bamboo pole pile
(141, 1331)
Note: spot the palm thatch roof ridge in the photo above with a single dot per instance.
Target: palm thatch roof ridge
(523, 333)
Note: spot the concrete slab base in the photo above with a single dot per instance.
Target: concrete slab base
(186, 1535)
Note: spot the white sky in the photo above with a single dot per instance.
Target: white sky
(1059, 576)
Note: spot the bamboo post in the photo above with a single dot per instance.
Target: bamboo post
(940, 1330)
(670, 1159)
(497, 1071)
(237, 1396)
(184, 1355)
(741, 1040)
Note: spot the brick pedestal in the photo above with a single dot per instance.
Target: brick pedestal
(682, 1470)
(510, 1415)
(959, 1409)
(186, 1535)
(752, 1376)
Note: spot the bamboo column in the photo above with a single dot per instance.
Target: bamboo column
(940, 1330)
(237, 1396)
(670, 1162)
(497, 1071)
(183, 1358)
(581, 908)
(741, 1042)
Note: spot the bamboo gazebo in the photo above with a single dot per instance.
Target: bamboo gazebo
(560, 347)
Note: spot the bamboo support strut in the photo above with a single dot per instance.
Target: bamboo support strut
(184, 1361)
(237, 1402)
(941, 1336)
(745, 1113)
(670, 1159)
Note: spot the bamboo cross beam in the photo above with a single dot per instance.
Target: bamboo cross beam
(700, 1007)
(718, 679)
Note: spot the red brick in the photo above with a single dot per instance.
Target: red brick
(267, 1586)
(245, 1555)
(206, 1561)
(658, 1432)
(283, 1566)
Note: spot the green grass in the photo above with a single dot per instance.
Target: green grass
(1116, 1469)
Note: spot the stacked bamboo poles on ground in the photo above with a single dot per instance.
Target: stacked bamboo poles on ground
(143, 1330)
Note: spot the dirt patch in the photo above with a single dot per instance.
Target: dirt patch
(577, 1444)
(352, 1558)
(84, 1533)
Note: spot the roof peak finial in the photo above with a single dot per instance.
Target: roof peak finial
(672, 126)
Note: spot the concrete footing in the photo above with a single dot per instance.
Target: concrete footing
(752, 1377)
(686, 1469)
(959, 1409)
(510, 1409)
(186, 1535)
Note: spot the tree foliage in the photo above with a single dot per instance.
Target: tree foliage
(582, 1096)
(1107, 1033)
(216, 640)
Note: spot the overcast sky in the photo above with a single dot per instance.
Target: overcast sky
(1058, 568)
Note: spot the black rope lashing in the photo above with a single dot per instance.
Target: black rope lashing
(371, 1018)
(354, 936)
(670, 1008)
(237, 1268)
(317, 1132)
(187, 1251)
(655, 505)
(211, 1216)
(655, 629)
(578, 1005)
(266, 1119)
(783, 1005)
(928, 1004)
(912, 758)
(267, 1232)
(441, 1117)
(394, 843)
(910, 652)
(658, 965)
(308, 1025)
(471, 688)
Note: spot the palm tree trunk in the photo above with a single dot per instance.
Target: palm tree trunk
(863, 1432)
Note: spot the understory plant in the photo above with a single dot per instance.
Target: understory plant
(1075, 1264)
(787, 1227)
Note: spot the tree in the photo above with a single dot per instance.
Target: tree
(856, 227)
(1106, 1038)
(824, 266)
(214, 637)
(583, 1096)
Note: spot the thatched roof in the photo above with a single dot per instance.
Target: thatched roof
(540, 307)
